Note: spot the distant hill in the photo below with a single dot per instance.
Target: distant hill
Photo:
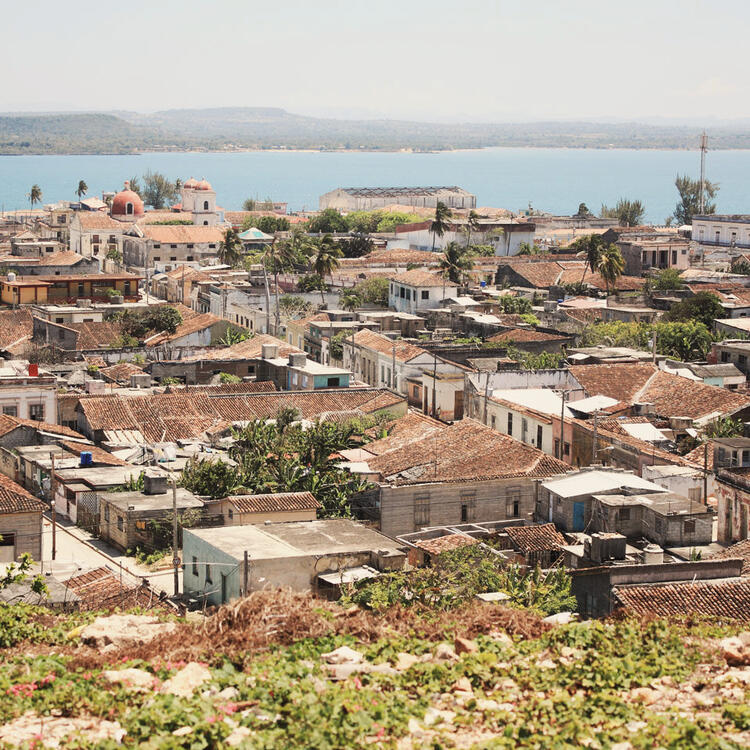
(271, 128)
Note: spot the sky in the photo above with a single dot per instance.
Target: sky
(429, 60)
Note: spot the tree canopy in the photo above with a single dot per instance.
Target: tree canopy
(328, 221)
(690, 198)
(703, 306)
(629, 213)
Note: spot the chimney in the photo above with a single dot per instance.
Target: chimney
(297, 360)
(33, 370)
(269, 351)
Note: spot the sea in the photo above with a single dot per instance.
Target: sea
(553, 180)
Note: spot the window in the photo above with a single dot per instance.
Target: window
(425, 294)
(510, 423)
(557, 447)
(468, 506)
(421, 509)
(129, 208)
(211, 247)
(401, 292)
(80, 289)
(195, 565)
(695, 493)
(156, 246)
(174, 247)
(689, 526)
(742, 360)
(11, 411)
(464, 513)
(524, 429)
(725, 356)
(173, 257)
(230, 513)
(513, 503)
(205, 205)
(539, 436)
(36, 412)
(624, 514)
(106, 513)
(190, 257)
(190, 245)
(120, 523)
(208, 574)
(566, 449)
(95, 239)
(157, 257)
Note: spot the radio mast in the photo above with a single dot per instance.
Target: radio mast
(704, 148)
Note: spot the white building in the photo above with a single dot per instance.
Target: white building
(199, 199)
(722, 230)
(27, 392)
(417, 290)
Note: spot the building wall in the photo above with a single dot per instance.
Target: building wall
(713, 231)
(402, 508)
(27, 531)
(242, 519)
(200, 558)
(419, 298)
(24, 398)
(733, 512)
(343, 201)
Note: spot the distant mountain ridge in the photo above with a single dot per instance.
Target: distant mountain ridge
(232, 128)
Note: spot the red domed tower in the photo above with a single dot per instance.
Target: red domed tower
(127, 205)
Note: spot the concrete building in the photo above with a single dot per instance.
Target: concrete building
(27, 391)
(416, 291)
(642, 255)
(305, 556)
(368, 199)
(163, 248)
(277, 507)
(20, 522)
(722, 230)
(296, 372)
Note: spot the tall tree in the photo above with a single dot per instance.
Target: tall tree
(325, 260)
(690, 198)
(83, 188)
(230, 248)
(455, 262)
(611, 265)
(472, 224)
(628, 213)
(135, 185)
(440, 222)
(157, 190)
(280, 256)
(349, 300)
(591, 245)
(35, 196)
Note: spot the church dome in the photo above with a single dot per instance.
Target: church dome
(127, 203)
(203, 185)
(191, 184)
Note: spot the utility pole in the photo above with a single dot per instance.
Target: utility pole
(434, 385)
(653, 345)
(594, 446)
(175, 556)
(705, 473)
(562, 424)
(704, 148)
(52, 506)
(393, 365)
(245, 574)
(486, 396)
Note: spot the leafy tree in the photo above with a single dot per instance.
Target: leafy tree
(328, 221)
(388, 221)
(267, 224)
(83, 188)
(472, 225)
(214, 479)
(455, 262)
(18, 572)
(703, 307)
(591, 245)
(628, 213)
(667, 279)
(35, 196)
(356, 246)
(230, 248)
(611, 265)
(152, 320)
(690, 198)
(440, 223)
(279, 255)
(373, 291)
(511, 305)
(135, 185)
(158, 191)
(293, 307)
(336, 345)
(234, 336)
(526, 248)
(540, 361)
(349, 300)
(311, 283)
(114, 254)
(326, 259)
(740, 266)
(583, 212)
(248, 204)
(725, 427)
(363, 222)
(228, 378)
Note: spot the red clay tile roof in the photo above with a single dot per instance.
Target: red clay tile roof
(248, 349)
(621, 382)
(379, 343)
(724, 597)
(740, 550)
(190, 324)
(15, 499)
(180, 233)
(277, 502)
(697, 455)
(15, 326)
(416, 277)
(101, 589)
(99, 220)
(412, 426)
(395, 257)
(464, 451)
(99, 455)
(121, 372)
(623, 283)
(520, 335)
(63, 258)
(8, 424)
(96, 334)
(540, 538)
(538, 274)
(262, 386)
(675, 396)
(446, 543)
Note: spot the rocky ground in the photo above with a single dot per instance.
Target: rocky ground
(480, 676)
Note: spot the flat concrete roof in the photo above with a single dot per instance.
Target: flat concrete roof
(296, 539)
(665, 503)
(125, 501)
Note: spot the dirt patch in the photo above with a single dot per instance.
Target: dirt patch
(282, 617)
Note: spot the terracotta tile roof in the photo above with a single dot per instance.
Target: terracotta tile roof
(542, 538)
(396, 257)
(520, 335)
(538, 274)
(274, 503)
(248, 349)
(412, 426)
(418, 277)
(15, 499)
(621, 382)
(739, 550)
(15, 326)
(63, 258)
(464, 451)
(8, 424)
(187, 414)
(262, 386)
(152, 217)
(697, 455)
(675, 396)
(192, 324)
(379, 343)
(586, 315)
(95, 334)
(121, 372)
(99, 455)
(724, 597)
(90, 220)
(180, 234)
(101, 589)
(623, 283)
(446, 543)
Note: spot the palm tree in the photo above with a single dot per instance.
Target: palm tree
(440, 222)
(349, 300)
(280, 256)
(455, 262)
(35, 196)
(592, 246)
(611, 265)
(230, 248)
(325, 260)
(472, 223)
(83, 188)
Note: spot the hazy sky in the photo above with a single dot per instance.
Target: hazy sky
(419, 59)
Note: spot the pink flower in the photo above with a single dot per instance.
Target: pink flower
(357, 683)
(228, 708)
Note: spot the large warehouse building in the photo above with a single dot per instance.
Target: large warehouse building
(367, 199)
